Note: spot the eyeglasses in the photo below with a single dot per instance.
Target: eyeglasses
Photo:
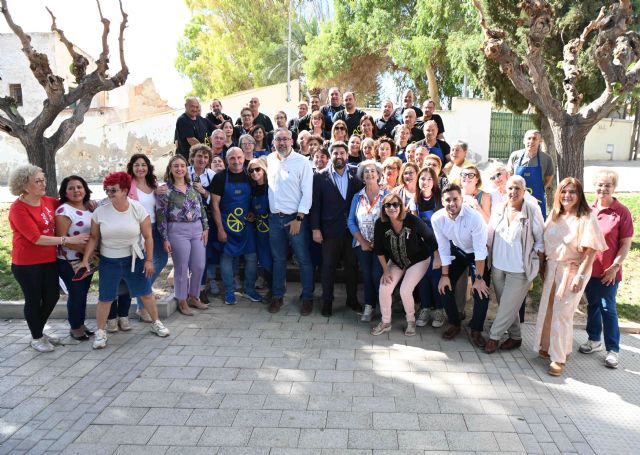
(370, 171)
(394, 204)
(111, 190)
(254, 170)
(467, 175)
(40, 181)
(338, 128)
(495, 177)
(282, 139)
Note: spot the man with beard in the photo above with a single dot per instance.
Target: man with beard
(191, 128)
(216, 116)
(351, 115)
(462, 242)
(386, 122)
(407, 103)
(333, 191)
(290, 180)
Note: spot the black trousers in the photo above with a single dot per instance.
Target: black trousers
(41, 289)
(334, 250)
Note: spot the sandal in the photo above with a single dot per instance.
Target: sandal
(183, 308)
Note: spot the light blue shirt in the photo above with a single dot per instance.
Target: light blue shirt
(342, 182)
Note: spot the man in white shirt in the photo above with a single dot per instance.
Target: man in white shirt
(290, 186)
(462, 242)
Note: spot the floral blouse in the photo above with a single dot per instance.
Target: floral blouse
(179, 207)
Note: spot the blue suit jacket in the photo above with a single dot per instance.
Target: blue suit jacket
(329, 211)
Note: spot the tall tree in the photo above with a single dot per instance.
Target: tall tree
(41, 150)
(233, 45)
(614, 49)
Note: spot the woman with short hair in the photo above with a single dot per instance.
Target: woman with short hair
(118, 227)
(516, 248)
(390, 172)
(404, 245)
(384, 148)
(616, 223)
(33, 251)
(262, 146)
(368, 127)
(572, 238)
(472, 193)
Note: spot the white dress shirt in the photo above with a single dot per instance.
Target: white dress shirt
(290, 183)
(468, 232)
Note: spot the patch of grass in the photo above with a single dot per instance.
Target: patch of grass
(9, 288)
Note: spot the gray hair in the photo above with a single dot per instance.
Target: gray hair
(246, 137)
(364, 164)
(278, 130)
(218, 131)
(19, 178)
(301, 135)
(495, 167)
(517, 179)
(232, 150)
(191, 99)
(463, 145)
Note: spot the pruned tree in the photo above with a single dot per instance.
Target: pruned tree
(616, 52)
(41, 150)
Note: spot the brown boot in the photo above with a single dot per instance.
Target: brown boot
(307, 307)
(510, 343)
(475, 336)
(543, 354)
(491, 346)
(451, 332)
(276, 304)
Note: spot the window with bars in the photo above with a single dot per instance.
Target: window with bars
(15, 92)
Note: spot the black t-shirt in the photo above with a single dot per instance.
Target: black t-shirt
(215, 121)
(354, 159)
(436, 118)
(352, 120)
(416, 241)
(261, 119)
(398, 111)
(200, 128)
(259, 190)
(385, 128)
(218, 182)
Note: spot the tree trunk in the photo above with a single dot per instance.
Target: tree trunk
(434, 93)
(40, 155)
(547, 137)
(569, 142)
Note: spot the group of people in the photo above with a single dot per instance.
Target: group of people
(386, 196)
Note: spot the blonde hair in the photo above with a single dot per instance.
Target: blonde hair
(607, 173)
(19, 178)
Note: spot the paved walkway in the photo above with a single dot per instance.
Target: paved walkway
(238, 380)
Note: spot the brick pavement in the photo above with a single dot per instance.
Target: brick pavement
(238, 380)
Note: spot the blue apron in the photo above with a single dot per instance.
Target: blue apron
(535, 182)
(234, 208)
(436, 150)
(260, 208)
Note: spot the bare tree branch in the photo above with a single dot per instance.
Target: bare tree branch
(8, 126)
(570, 65)
(121, 77)
(8, 106)
(68, 126)
(80, 62)
(103, 60)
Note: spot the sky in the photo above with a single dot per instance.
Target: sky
(150, 39)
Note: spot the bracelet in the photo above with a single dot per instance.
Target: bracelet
(149, 260)
(582, 277)
(445, 274)
(63, 241)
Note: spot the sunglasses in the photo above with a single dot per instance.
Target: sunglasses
(254, 170)
(468, 175)
(111, 190)
(497, 176)
(388, 205)
(337, 128)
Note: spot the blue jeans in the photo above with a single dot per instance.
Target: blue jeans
(160, 258)
(78, 290)
(428, 288)
(279, 240)
(371, 274)
(250, 271)
(602, 314)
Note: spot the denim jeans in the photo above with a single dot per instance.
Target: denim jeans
(371, 274)
(78, 290)
(280, 239)
(602, 314)
(250, 271)
(428, 289)
(160, 258)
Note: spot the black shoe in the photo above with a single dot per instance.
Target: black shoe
(89, 332)
(83, 337)
(327, 309)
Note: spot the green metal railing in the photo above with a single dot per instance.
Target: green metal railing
(507, 132)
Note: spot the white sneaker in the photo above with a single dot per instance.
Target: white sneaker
(159, 329)
(100, 340)
(367, 313)
(112, 325)
(124, 324)
(423, 317)
(438, 318)
(611, 360)
(42, 345)
(52, 337)
(590, 347)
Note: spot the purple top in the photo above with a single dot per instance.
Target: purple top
(179, 207)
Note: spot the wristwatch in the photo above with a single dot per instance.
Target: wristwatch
(299, 218)
(479, 277)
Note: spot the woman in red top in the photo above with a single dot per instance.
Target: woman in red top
(33, 257)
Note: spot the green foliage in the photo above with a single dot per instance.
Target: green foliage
(232, 45)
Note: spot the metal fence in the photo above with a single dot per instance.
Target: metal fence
(507, 132)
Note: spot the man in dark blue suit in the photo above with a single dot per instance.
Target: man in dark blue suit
(333, 190)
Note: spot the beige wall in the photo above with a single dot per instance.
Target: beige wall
(616, 132)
